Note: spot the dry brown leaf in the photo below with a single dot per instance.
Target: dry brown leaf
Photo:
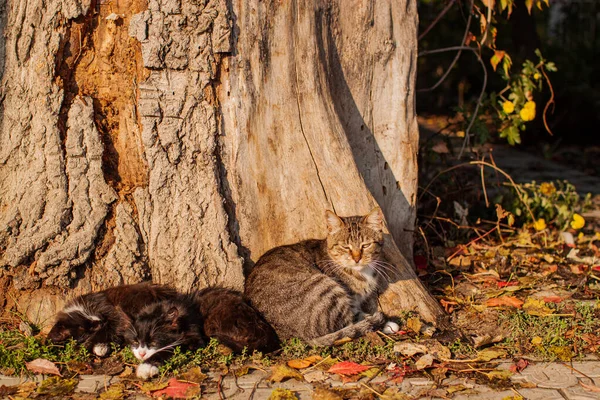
(282, 372)
(414, 324)
(409, 349)
(323, 394)
(42, 366)
(424, 362)
(304, 362)
(490, 354)
(509, 301)
(536, 307)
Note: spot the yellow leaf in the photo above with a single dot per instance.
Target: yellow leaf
(540, 224)
(460, 134)
(529, 4)
(536, 341)
(414, 324)
(490, 354)
(536, 307)
(496, 58)
(281, 372)
(304, 363)
(502, 374)
(282, 394)
(578, 221)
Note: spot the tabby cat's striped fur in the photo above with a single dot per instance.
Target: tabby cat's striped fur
(323, 290)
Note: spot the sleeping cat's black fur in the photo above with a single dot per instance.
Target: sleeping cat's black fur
(96, 319)
(189, 320)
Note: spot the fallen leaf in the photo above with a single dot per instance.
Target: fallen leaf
(553, 299)
(414, 324)
(81, 368)
(347, 368)
(304, 363)
(490, 354)
(315, 376)
(42, 366)
(282, 372)
(241, 371)
(6, 391)
(502, 284)
(282, 394)
(178, 390)
(499, 374)
(26, 389)
(394, 393)
(115, 391)
(564, 353)
(424, 362)
(371, 372)
(536, 307)
(509, 301)
(324, 394)
(342, 341)
(519, 366)
(437, 350)
(409, 349)
(149, 387)
(56, 386)
(193, 375)
(536, 341)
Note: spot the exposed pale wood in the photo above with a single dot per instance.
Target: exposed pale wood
(171, 139)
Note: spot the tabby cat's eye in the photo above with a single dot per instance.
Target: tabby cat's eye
(135, 343)
(365, 245)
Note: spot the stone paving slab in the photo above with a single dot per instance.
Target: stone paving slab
(554, 381)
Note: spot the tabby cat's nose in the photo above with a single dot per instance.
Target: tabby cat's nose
(356, 255)
(142, 353)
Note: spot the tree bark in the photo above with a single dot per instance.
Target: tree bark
(177, 140)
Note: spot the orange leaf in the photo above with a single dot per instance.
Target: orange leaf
(42, 366)
(178, 390)
(553, 299)
(496, 58)
(509, 301)
(347, 368)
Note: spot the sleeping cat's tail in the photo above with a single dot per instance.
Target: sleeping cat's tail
(369, 323)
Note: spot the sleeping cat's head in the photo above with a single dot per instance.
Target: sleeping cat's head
(158, 328)
(355, 242)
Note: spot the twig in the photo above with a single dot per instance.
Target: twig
(487, 203)
(549, 103)
(371, 389)
(220, 388)
(456, 57)
(437, 19)
(511, 181)
(471, 242)
(376, 374)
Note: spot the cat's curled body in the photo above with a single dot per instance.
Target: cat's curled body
(96, 319)
(323, 290)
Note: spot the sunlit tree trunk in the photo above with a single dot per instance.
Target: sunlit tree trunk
(178, 140)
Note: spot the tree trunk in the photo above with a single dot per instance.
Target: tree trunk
(177, 140)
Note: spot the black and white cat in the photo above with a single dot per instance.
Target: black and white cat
(97, 319)
(190, 320)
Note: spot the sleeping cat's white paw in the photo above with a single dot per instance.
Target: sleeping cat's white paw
(146, 371)
(391, 327)
(100, 349)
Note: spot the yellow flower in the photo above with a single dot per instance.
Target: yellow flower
(527, 113)
(537, 341)
(547, 188)
(536, 76)
(540, 224)
(508, 107)
(578, 221)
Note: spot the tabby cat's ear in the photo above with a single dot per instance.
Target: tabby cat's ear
(374, 219)
(173, 314)
(334, 223)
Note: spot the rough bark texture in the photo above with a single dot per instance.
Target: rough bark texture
(168, 139)
(319, 114)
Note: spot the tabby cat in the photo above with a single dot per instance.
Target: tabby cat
(324, 290)
(96, 319)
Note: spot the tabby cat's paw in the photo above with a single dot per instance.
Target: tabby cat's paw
(100, 349)
(146, 371)
(391, 327)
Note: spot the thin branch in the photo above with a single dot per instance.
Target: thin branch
(549, 103)
(437, 19)
(456, 57)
